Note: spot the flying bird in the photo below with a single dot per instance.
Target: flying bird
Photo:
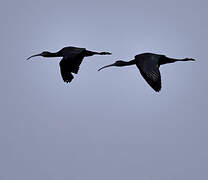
(148, 65)
(72, 58)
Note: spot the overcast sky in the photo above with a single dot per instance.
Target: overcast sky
(104, 125)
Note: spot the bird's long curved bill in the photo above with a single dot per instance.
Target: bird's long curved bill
(33, 56)
(106, 66)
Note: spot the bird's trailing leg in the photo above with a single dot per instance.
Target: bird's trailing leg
(188, 59)
(104, 53)
(185, 59)
(91, 53)
(165, 60)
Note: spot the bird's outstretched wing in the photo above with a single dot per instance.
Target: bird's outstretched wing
(69, 66)
(149, 69)
(65, 72)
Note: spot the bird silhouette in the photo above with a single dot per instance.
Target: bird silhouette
(148, 65)
(72, 58)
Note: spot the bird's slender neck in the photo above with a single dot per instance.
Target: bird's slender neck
(50, 54)
(128, 63)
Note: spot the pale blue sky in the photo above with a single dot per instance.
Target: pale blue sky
(109, 124)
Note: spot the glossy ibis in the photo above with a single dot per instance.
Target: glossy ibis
(72, 58)
(148, 65)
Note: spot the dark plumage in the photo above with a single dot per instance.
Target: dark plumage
(148, 65)
(72, 58)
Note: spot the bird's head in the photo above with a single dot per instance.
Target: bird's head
(117, 63)
(43, 54)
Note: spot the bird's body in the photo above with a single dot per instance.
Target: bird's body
(71, 61)
(148, 65)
